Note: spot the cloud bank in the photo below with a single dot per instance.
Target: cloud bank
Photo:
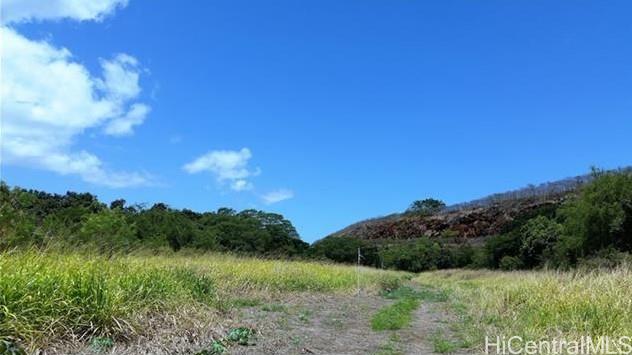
(49, 99)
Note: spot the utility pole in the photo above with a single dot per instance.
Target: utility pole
(358, 271)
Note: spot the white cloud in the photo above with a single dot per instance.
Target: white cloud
(82, 10)
(241, 185)
(124, 126)
(48, 100)
(90, 168)
(120, 77)
(227, 165)
(277, 196)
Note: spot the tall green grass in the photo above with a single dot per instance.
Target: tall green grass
(395, 316)
(45, 295)
(540, 304)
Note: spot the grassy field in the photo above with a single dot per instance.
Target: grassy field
(51, 296)
(537, 304)
(56, 295)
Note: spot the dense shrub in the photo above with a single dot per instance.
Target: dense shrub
(509, 263)
(539, 237)
(426, 254)
(497, 247)
(600, 217)
(590, 228)
(340, 249)
(422, 255)
(109, 231)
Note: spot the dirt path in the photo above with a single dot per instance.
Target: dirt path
(318, 324)
(325, 324)
(430, 329)
(301, 324)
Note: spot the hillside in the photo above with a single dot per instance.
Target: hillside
(472, 221)
(560, 224)
(472, 224)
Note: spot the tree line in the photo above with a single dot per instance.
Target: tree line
(592, 227)
(31, 218)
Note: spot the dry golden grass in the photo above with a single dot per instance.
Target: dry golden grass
(540, 304)
(52, 295)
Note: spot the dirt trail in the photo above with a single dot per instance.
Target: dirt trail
(341, 325)
(318, 324)
(431, 323)
(302, 324)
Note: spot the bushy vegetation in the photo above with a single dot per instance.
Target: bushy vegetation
(593, 225)
(50, 295)
(426, 207)
(538, 304)
(35, 218)
(425, 254)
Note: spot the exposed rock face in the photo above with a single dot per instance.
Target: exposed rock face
(473, 220)
(467, 223)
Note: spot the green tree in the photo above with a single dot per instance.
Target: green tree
(120, 204)
(160, 226)
(499, 246)
(340, 249)
(17, 227)
(426, 207)
(539, 237)
(599, 217)
(421, 255)
(109, 231)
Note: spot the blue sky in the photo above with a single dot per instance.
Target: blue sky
(328, 112)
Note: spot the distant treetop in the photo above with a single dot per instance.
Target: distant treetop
(426, 207)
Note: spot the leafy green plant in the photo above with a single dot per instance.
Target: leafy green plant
(217, 348)
(100, 344)
(241, 336)
(304, 315)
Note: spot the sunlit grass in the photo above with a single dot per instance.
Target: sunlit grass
(46, 295)
(399, 314)
(540, 304)
(395, 316)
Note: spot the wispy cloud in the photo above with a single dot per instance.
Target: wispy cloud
(229, 166)
(124, 125)
(277, 196)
